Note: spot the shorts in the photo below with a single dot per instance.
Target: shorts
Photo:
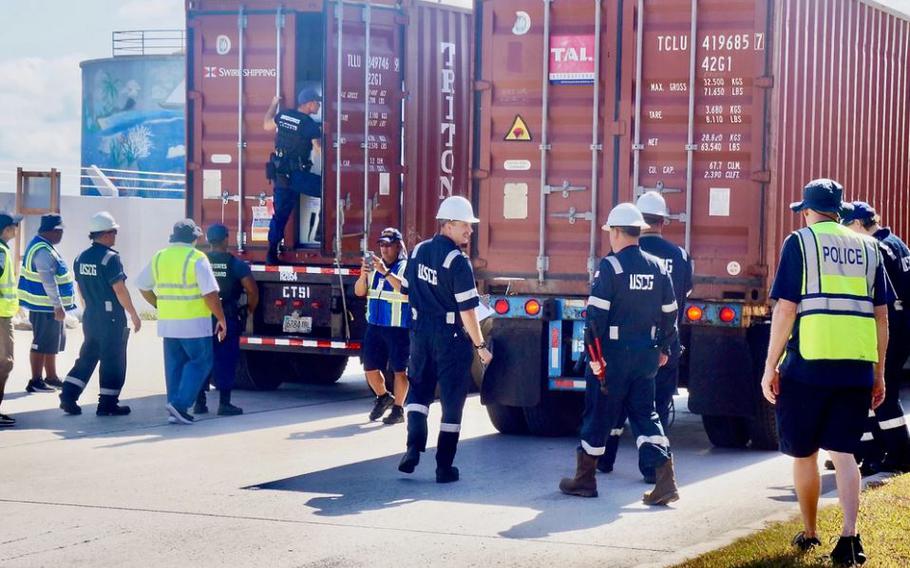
(385, 346)
(813, 417)
(49, 337)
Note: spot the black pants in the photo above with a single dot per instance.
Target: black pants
(105, 343)
(886, 430)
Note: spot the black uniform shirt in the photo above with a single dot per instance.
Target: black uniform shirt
(97, 269)
(896, 258)
(632, 303)
(229, 271)
(295, 133)
(677, 264)
(439, 281)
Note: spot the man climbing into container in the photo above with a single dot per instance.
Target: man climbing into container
(889, 446)
(631, 313)
(386, 342)
(677, 264)
(826, 356)
(445, 333)
(289, 167)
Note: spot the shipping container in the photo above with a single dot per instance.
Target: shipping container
(728, 107)
(387, 157)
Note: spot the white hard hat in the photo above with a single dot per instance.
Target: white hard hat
(652, 203)
(456, 208)
(625, 215)
(102, 222)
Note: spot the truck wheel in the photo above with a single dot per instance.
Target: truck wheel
(256, 370)
(557, 414)
(507, 419)
(763, 427)
(314, 369)
(727, 431)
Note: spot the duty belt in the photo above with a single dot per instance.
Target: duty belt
(449, 318)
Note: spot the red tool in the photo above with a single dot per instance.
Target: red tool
(595, 352)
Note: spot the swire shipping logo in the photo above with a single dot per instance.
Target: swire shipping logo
(217, 72)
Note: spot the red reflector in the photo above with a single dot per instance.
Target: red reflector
(501, 306)
(297, 303)
(727, 315)
(279, 303)
(694, 313)
(584, 314)
(532, 307)
(315, 305)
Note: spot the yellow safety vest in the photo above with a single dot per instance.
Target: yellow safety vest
(176, 287)
(836, 311)
(9, 299)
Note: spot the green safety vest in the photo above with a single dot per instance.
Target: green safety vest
(9, 299)
(176, 287)
(836, 311)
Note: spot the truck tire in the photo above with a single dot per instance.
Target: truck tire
(507, 419)
(727, 431)
(763, 427)
(557, 414)
(314, 369)
(256, 371)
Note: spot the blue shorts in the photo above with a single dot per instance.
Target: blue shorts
(384, 346)
(49, 337)
(812, 417)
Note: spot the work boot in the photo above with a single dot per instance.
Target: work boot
(665, 491)
(54, 382)
(271, 257)
(394, 417)
(382, 403)
(447, 474)
(201, 406)
(69, 406)
(583, 484)
(229, 409)
(446, 446)
(417, 441)
(409, 460)
(848, 551)
(112, 410)
(37, 385)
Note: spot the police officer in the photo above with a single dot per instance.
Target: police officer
(889, 434)
(678, 265)
(296, 134)
(101, 281)
(445, 333)
(386, 338)
(830, 326)
(234, 278)
(632, 309)
(9, 304)
(46, 290)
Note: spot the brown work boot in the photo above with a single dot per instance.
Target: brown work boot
(583, 484)
(665, 491)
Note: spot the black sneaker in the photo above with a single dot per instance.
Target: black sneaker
(394, 417)
(409, 461)
(70, 406)
(37, 385)
(869, 468)
(848, 551)
(805, 543)
(446, 474)
(115, 410)
(200, 408)
(382, 404)
(7, 421)
(229, 410)
(181, 416)
(54, 382)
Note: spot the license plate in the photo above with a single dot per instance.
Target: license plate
(294, 324)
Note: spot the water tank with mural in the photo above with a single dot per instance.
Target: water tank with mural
(134, 117)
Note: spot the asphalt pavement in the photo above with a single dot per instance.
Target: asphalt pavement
(303, 479)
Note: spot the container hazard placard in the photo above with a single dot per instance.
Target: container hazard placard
(572, 59)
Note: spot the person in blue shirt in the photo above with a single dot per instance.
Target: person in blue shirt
(887, 441)
(386, 342)
(821, 381)
(445, 332)
(632, 311)
(678, 265)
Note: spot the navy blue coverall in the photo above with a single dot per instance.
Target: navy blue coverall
(678, 265)
(440, 283)
(633, 308)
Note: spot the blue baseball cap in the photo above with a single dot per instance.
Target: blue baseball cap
(216, 233)
(857, 211)
(823, 195)
(7, 219)
(308, 95)
(50, 222)
(389, 235)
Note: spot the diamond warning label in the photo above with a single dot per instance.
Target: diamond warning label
(518, 131)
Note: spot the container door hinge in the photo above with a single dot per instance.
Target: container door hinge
(763, 176)
(764, 82)
(480, 174)
(480, 85)
(543, 263)
(617, 128)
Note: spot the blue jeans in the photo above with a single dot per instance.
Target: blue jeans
(187, 364)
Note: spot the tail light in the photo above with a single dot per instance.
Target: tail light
(727, 314)
(501, 306)
(532, 307)
(279, 303)
(694, 313)
(315, 305)
(297, 304)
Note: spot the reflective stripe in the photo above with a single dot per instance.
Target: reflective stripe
(867, 437)
(599, 303)
(179, 298)
(450, 258)
(444, 427)
(75, 381)
(417, 248)
(465, 296)
(871, 414)
(109, 392)
(669, 308)
(655, 440)
(9, 298)
(844, 305)
(403, 280)
(107, 257)
(614, 262)
(614, 332)
(616, 432)
(591, 450)
(417, 408)
(893, 423)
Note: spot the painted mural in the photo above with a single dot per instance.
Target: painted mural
(134, 118)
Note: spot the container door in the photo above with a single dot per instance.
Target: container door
(362, 128)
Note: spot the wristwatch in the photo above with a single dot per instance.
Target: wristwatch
(483, 345)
